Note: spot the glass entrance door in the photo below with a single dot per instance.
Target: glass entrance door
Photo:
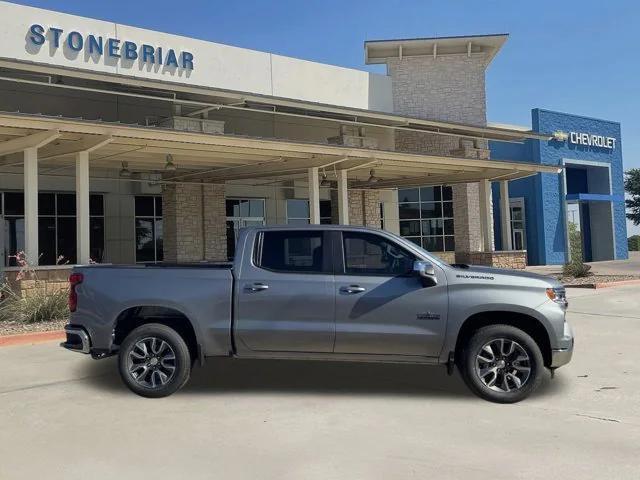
(518, 227)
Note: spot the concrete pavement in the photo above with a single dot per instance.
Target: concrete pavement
(65, 416)
(631, 266)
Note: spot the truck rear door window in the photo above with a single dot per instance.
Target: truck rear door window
(293, 251)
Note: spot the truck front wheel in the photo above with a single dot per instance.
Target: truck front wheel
(154, 361)
(502, 364)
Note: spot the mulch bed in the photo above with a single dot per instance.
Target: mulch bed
(16, 328)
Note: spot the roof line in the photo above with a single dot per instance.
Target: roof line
(452, 37)
(475, 131)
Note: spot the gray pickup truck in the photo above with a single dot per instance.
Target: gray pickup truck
(326, 293)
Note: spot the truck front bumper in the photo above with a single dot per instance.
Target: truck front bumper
(562, 356)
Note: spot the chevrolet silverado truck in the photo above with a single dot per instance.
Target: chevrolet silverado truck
(322, 292)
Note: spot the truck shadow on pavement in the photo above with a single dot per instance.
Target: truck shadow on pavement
(231, 376)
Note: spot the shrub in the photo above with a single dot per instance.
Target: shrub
(576, 269)
(37, 306)
(634, 243)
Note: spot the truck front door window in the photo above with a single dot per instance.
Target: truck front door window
(370, 254)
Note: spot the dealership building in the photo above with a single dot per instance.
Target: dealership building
(123, 145)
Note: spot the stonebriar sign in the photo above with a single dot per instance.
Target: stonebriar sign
(97, 45)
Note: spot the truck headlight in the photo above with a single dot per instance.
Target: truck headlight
(558, 295)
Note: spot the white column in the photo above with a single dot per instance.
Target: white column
(314, 196)
(505, 215)
(31, 205)
(485, 215)
(343, 198)
(82, 207)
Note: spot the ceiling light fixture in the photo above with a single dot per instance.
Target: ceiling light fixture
(372, 177)
(170, 166)
(325, 181)
(124, 171)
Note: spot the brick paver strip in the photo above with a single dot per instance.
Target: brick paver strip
(31, 338)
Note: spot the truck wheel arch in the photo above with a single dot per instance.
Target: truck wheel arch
(529, 324)
(133, 317)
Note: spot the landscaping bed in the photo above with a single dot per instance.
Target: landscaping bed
(593, 281)
(16, 328)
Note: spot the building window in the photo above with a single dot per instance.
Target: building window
(242, 212)
(148, 221)
(426, 217)
(298, 212)
(56, 227)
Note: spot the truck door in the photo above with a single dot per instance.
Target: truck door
(381, 306)
(285, 294)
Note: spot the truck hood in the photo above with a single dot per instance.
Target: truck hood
(507, 276)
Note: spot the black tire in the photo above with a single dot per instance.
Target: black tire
(176, 368)
(471, 365)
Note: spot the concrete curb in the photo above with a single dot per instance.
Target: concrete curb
(31, 338)
(620, 283)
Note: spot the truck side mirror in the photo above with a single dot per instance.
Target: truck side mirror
(425, 271)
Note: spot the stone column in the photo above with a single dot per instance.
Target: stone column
(466, 221)
(364, 208)
(182, 223)
(194, 222)
(215, 223)
(447, 88)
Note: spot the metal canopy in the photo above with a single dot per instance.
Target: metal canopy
(219, 158)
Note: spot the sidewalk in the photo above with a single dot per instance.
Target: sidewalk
(612, 267)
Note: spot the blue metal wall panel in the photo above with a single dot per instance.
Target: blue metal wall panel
(543, 193)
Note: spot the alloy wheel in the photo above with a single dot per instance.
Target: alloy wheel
(151, 362)
(503, 365)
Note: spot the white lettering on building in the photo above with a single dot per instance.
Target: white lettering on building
(590, 140)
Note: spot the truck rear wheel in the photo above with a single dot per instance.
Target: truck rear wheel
(502, 364)
(154, 361)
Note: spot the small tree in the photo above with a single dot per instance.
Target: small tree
(575, 242)
(632, 186)
(576, 267)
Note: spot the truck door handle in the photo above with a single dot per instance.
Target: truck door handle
(352, 289)
(256, 287)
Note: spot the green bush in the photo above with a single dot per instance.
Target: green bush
(38, 306)
(576, 269)
(634, 243)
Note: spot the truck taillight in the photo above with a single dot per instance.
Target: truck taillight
(74, 280)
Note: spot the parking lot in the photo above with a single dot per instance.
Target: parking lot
(65, 416)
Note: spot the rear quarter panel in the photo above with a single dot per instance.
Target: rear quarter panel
(203, 295)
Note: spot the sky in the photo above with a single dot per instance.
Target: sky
(579, 57)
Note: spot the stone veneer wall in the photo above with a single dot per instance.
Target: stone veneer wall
(47, 279)
(364, 208)
(446, 257)
(516, 259)
(446, 88)
(194, 223)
